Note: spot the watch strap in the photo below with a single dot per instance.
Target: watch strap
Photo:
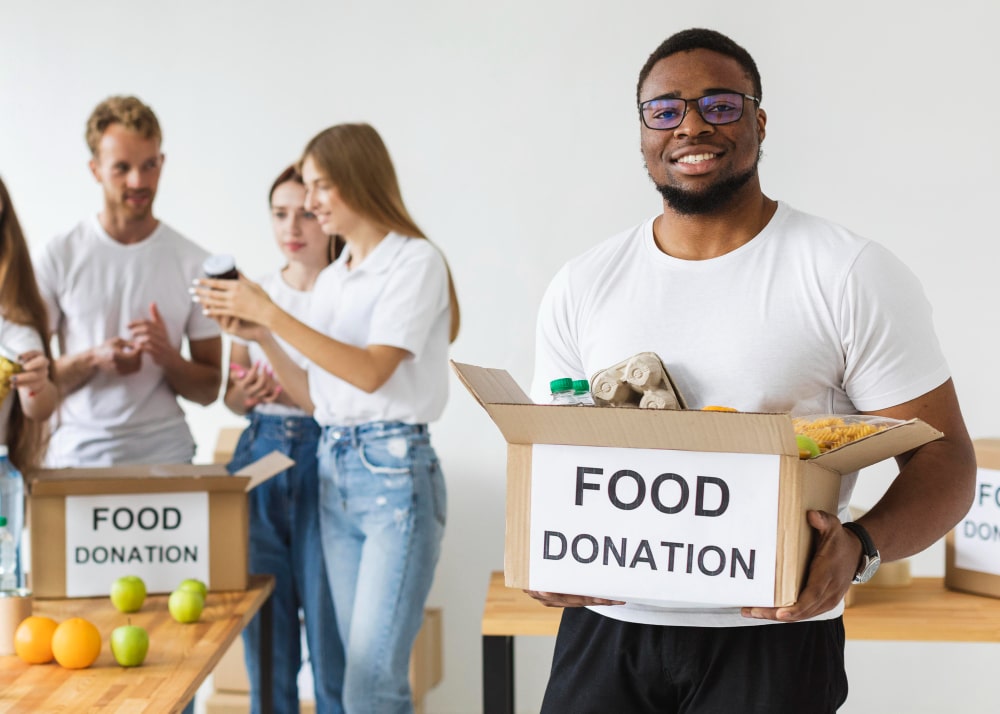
(867, 544)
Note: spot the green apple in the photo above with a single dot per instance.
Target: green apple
(128, 593)
(808, 448)
(129, 645)
(185, 605)
(195, 585)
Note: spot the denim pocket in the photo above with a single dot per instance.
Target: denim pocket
(389, 456)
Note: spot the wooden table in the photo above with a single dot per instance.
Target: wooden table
(922, 611)
(180, 656)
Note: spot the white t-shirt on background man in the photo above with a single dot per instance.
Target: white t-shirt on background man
(94, 287)
(806, 318)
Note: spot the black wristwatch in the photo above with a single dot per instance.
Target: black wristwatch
(870, 559)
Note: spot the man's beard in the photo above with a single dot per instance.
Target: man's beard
(712, 199)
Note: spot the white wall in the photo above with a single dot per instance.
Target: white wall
(515, 137)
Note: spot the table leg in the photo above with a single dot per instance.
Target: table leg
(266, 657)
(498, 674)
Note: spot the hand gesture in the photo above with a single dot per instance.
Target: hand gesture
(249, 331)
(34, 372)
(242, 298)
(151, 337)
(117, 356)
(256, 385)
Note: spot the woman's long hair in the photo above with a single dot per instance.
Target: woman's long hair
(21, 302)
(354, 158)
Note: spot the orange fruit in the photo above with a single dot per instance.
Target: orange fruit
(33, 639)
(76, 643)
(716, 408)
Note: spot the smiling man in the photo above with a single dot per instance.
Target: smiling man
(116, 287)
(752, 304)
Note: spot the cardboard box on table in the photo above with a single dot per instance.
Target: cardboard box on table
(164, 523)
(664, 506)
(972, 548)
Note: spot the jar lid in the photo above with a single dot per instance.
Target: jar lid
(219, 264)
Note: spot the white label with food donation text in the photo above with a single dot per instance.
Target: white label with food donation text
(161, 537)
(977, 536)
(654, 525)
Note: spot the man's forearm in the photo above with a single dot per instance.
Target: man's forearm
(70, 372)
(195, 381)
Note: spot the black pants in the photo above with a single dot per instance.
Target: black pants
(605, 666)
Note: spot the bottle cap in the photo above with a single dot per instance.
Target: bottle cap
(3, 521)
(581, 385)
(564, 384)
(219, 264)
(3, 450)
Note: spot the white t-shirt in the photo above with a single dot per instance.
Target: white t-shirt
(18, 339)
(806, 318)
(94, 287)
(397, 296)
(295, 303)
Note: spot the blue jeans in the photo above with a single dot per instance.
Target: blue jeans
(285, 542)
(382, 513)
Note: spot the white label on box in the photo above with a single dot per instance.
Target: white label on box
(161, 537)
(977, 536)
(654, 525)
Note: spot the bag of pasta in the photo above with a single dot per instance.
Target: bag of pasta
(831, 431)
(9, 366)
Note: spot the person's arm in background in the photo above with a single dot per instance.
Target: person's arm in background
(288, 385)
(36, 391)
(934, 489)
(197, 379)
(366, 368)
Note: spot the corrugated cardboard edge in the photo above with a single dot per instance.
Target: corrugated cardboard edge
(805, 486)
(517, 539)
(973, 581)
(49, 581)
(879, 446)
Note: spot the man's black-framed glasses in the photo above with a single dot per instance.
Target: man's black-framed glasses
(716, 109)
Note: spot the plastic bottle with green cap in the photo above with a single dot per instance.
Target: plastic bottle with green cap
(562, 392)
(581, 391)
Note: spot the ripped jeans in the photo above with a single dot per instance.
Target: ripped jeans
(382, 515)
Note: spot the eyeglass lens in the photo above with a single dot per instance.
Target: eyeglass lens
(714, 108)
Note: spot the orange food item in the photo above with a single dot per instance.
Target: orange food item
(76, 643)
(33, 639)
(716, 408)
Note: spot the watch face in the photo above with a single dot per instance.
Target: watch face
(868, 569)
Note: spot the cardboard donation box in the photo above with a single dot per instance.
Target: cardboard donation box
(164, 523)
(972, 549)
(661, 506)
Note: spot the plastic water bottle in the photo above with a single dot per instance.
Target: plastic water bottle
(562, 392)
(11, 505)
(581, 392)
(8, 557)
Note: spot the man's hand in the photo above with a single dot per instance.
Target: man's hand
(150, 337)
(117, 356)
(563, 600)
(831, 571)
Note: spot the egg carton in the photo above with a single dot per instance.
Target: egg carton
(639, 382)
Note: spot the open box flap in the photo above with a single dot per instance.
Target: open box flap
(879, 446)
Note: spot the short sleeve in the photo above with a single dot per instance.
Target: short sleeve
(413, 299)
(19, 338)
(48, 279)
(556, 354)
(892, 351)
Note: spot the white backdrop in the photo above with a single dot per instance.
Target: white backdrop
(515, 137)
